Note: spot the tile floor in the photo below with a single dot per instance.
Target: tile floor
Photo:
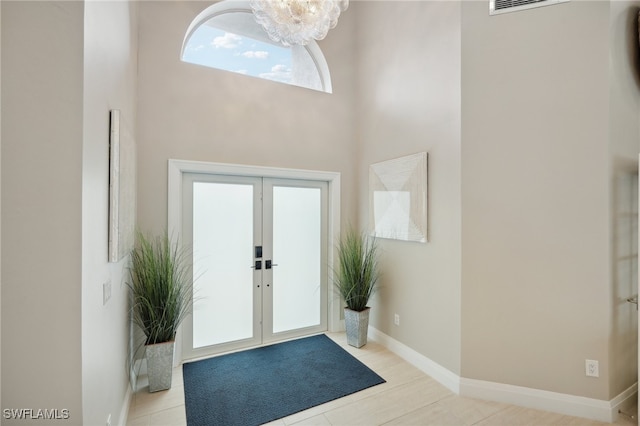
(409, 397)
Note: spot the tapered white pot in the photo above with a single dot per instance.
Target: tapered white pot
(357, 325)
(160, 365)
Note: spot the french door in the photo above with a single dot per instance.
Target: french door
(259, 256)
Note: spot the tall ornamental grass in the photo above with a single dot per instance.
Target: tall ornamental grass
(358, 270)
(161, 287)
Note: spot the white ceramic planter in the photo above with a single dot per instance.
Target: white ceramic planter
(357, 325)
(160, 365)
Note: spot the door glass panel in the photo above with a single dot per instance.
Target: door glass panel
(297, 254)
(222, 257)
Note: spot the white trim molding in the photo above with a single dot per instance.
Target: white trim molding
(577, 406)
(444, 376)
(126, 404)
(255, 32)
(176, 168)
(571, 405)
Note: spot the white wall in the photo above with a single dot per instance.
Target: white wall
(408, 81)
(42, 72)
(538, 127)
(110, 74)
(191, 112)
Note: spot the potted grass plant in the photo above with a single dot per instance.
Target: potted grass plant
(356, 279)
(161, 298)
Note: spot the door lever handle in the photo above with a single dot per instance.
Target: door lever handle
(268, 264)
(258, 265)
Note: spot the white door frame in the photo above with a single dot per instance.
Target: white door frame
(176, 168)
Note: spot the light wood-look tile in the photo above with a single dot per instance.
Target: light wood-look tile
(409, 397)
(319, 420)
(451, 410)
(470, 410)
(386, 406)
(520, 416)
(138, 420)
(432, 414)
(175, 416)
(145, 404)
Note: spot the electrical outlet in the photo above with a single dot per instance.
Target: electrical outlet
(106, 292)
(591, 368)
(396, 319)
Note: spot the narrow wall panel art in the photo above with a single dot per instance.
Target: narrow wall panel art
(122, 189)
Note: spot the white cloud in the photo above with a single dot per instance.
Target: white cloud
(243, 71)
(195, 48)
(258, 54)
(227, 41)
(278, 72)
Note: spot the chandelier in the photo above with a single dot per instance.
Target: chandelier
(297, 21)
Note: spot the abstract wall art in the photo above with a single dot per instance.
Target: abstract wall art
(398, 198)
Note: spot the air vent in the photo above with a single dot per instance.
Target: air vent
(504, 6)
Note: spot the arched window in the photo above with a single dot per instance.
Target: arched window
(226, 36)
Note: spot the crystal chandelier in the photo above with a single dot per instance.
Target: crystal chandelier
(297, 21)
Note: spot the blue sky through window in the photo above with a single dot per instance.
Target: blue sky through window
(216, 48)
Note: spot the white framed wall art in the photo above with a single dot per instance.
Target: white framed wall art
(398, 198)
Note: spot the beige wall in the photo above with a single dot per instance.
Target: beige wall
(65, 64)
(534, 135)
(529, 257)
(537, 294)
(190, 112)
(42, 73)
(408, 81)
(624, 136)
(110, 73)
(0, 208)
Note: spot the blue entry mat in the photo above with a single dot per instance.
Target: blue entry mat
(264, 384)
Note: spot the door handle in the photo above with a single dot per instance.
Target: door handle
(258, 265)
(268, 264)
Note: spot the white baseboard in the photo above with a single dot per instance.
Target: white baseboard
(590, 408)
(139, 367)
(444, 376)
(571, 405)
(126, 404)
(624, 402)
